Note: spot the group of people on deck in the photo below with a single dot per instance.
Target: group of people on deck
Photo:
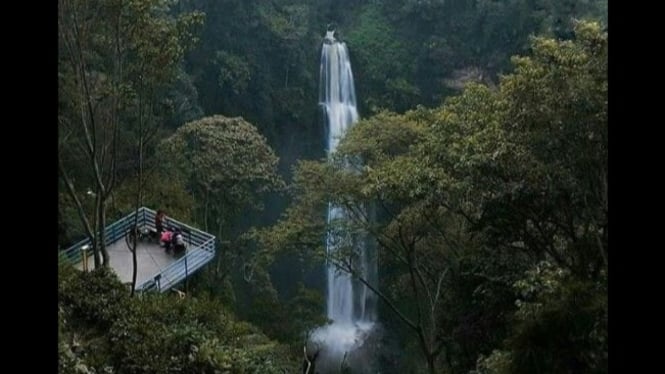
(170, 238)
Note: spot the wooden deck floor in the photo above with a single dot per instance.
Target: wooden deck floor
(150, 259)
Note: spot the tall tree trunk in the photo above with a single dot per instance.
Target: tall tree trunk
(102, 230)
(430, 363)
(139, 185)
(95, 239)
(89, 229)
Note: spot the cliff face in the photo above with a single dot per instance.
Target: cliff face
(459, 78)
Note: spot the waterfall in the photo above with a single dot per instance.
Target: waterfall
(337, 94)
(350, 305)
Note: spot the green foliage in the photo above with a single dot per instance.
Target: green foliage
(228, 168)
(561, 323)
(548, 198)
(556, 117)
(468, 197)
(102, 328)
(256, 61)
(411, 229)
(159, 192)
(287, 22)
(167, 327)
(498, 362)
(95, 297)
(70, 227)
(561, 15)
(233, 72)
(119, 66)
(288, 320)
(384, 136)
(382, 58)
(304, 311)
(473, 194)
(263, 358)
(225, 164)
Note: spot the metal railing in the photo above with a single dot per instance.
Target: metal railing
(113, 232)
(177, 271)
(200, 248)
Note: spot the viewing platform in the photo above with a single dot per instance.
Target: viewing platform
(156, 269)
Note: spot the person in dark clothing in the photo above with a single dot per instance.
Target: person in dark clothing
(160, 217)
(177, 242)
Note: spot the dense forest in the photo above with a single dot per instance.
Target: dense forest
(481, 153)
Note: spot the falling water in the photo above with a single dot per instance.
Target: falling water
(350, 305)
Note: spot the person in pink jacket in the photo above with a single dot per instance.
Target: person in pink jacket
(165, 239)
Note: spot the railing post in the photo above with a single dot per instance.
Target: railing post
(189, 233)
(186, 275)
(84, 256)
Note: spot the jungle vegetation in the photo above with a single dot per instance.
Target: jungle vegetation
(483, 142)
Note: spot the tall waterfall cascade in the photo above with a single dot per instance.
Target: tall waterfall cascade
(350, 304)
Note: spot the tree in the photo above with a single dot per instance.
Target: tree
(81, 88)
(115, 60)
(416, 239)
(533, 155)
(516, 173)
(227, 167)
(380, 59)
(546, 197)
(547, 189)
(102, 329)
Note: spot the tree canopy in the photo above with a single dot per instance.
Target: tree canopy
(477, 175)
(503, 189)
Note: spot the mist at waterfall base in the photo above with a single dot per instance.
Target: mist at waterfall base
(350, 304)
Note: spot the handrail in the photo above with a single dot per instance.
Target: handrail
(166, 274)
(118, 229)
(196, 239)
